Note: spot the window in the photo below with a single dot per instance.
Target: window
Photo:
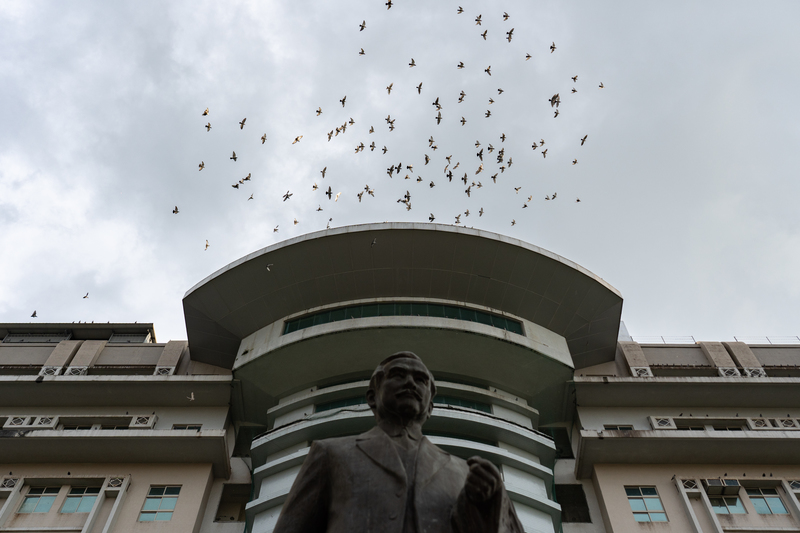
(195, 427)
(458, 402)
(338, 404)
(39, 500)
(159, 504)
(403, 309)
(728, 428)
(727, 505)
(80, 499)
(767, 501)
(74, 426)
(114, 427)
(618, 428)
(574, 507)
(645, 504)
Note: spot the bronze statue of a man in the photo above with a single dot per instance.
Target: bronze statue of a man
(391, 479)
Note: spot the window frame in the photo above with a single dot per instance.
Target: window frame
(728, 508)
(168, 492)
(47, 493)
(646, 511)
(765, 500)
(80, 494)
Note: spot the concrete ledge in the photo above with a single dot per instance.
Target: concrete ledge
(171, 391)
(451, 421)
(459, 447)
(118, 446)
(684, 447)
(443, 388)
(687, 391)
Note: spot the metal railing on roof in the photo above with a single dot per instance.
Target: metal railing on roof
(769, 340)
(665, 340)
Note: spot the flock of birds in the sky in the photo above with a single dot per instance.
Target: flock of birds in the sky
(472, 179)
(472, 183)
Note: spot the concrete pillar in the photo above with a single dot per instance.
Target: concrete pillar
(719, 358)
(634, 356)
(746, 359)
(60, 357)
(86, 356)
(170, 358)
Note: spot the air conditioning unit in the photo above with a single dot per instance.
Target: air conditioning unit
(143, 422)
(714, 486)
(718, 486)
(731, 487)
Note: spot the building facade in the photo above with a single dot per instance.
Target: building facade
(104, 429)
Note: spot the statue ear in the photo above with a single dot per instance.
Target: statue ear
(371, 399)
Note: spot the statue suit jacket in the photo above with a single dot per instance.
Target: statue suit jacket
(358, 484)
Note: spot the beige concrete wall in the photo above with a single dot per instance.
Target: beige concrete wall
(20, 354)
(689, 355)
(611, 480)
(63, 353)
(596, 417)
(124, 355)
(717, 355)
(742, 354)
(633, 355)
(87, 353)
(194, 479)
(209, 417)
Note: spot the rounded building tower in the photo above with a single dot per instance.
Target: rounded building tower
(501, 324)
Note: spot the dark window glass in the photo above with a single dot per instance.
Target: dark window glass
(483, 318)
(452, 312)
(419, 309)
(338, 404)
(468, 315)
(403, 309)
(458, 402)
(322, 318)
(435, 310)
(369, 310)
(514, 327)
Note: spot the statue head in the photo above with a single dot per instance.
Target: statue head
(401, 388)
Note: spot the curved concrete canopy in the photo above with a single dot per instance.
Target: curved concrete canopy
(407, 260)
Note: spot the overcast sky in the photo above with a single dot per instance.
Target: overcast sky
(688, 180)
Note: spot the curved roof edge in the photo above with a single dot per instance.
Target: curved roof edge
(403, 225)
(408, 260)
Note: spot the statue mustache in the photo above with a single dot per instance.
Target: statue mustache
(411, 391)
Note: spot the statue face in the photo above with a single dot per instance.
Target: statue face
(405, 389)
